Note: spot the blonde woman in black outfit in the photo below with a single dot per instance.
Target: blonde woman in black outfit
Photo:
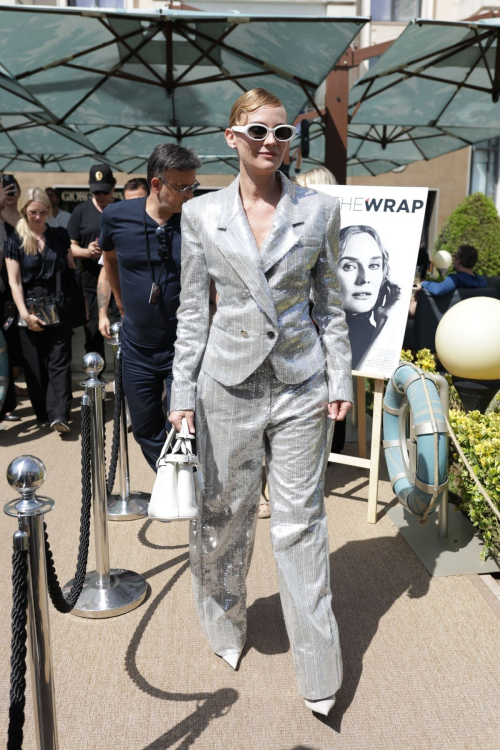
(37, 258)
(9, 216)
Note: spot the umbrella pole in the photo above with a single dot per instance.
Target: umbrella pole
(336, 118)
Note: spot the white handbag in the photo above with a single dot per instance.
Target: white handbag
(174, 492)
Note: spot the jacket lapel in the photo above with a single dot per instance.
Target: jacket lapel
(282, 236)
(237, 243)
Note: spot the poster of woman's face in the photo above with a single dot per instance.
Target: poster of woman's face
(378, 249)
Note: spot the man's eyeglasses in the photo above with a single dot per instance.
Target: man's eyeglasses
(101, 192)
(164, 235)
(184, 190)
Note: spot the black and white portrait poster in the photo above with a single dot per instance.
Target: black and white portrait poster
(380, 234)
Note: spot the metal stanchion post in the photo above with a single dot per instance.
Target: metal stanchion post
(444, 397)
(106, 593)
(26, 474)
(124, 505)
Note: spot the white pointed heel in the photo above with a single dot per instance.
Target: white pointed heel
(232, 659)
(322, 707)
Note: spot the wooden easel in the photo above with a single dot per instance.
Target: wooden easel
(362, 461)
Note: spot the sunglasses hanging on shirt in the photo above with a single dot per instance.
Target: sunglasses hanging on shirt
(165, 237)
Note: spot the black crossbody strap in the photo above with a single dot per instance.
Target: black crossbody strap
(148, 250)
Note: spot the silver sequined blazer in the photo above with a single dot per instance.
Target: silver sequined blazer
(263, 307)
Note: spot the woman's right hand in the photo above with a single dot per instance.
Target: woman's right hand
(5, 193)
(34, 323)
(175, 419)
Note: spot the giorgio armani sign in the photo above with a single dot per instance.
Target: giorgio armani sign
(72, 195)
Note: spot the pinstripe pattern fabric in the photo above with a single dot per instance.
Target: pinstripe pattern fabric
(263, 308)
(235, 425)
(259, 381)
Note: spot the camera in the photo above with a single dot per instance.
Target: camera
(8, 180)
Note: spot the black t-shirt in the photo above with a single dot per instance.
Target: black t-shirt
(84, 227)
(40, 270)
(122, 229)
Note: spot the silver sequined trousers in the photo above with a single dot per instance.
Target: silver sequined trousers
(236, 425)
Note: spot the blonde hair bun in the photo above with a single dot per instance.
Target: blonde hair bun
(250, 101)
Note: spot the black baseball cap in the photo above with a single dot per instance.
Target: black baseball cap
(101, 178)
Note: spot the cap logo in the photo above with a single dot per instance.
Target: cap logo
(98, 176)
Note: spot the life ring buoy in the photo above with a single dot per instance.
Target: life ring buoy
(4, 369)
(415, 440)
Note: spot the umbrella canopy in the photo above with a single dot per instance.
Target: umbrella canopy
(436, 74)
(171, 68)
(130, 147)
(125, 142)
(435, 90)
(15, 100)
(375, 149)
(54, 163)
(33, 142)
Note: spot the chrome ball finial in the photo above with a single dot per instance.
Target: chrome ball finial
(26, 474)
(115, 330)
(92, 364)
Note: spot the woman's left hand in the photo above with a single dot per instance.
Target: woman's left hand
(338, 410)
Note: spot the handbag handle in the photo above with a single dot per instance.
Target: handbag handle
(179, 443)
(184, 433)
(167, 444)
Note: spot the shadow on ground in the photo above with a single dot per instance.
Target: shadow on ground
(365, 585)
(366, 581)
(142, 537)
(29, 430)
(209, 705)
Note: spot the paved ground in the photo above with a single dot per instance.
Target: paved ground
(421, 655)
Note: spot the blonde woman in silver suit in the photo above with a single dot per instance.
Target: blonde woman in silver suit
(263, 381)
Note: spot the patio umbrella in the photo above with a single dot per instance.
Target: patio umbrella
(375, 149)
(436, 74)
(435, 90)
(19, 162)
(32, 142)
(170, 68)
(125, 142)
(14, 99)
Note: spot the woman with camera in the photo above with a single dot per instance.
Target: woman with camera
(9, 216)
(37, 259)
(261, 381)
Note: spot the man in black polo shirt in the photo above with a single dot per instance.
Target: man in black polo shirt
(141, 240)
(84, 229)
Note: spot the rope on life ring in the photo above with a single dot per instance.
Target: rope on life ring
(4, 369)
(415, 444)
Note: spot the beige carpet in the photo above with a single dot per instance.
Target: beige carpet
(421, 655)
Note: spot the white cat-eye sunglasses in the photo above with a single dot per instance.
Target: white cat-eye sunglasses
(258, 132)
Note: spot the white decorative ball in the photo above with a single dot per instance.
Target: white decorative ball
(442, 260)
(468, 339)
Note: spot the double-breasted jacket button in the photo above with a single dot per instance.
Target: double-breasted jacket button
(271, 335)
(244, 334)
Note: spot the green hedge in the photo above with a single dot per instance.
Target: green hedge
(475, 222)
(479, 437)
